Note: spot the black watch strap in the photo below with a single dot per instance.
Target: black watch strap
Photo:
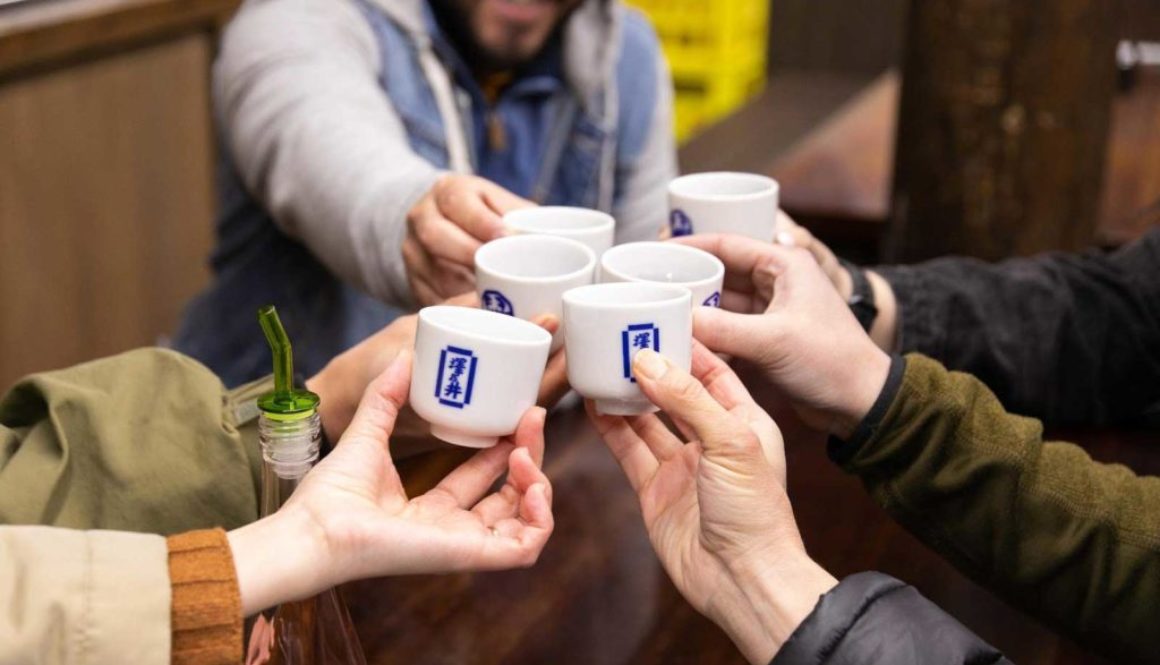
(861, 300)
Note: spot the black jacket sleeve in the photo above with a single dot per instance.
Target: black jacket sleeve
(1067, 338)
(871, 618)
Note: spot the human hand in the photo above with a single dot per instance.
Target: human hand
(785, 317)
(792, 234)
(444, 229)
(343, 381)
(350, 517)
(753, 297)
(715, 508)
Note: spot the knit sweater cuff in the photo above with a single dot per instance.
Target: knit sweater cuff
(207, 608)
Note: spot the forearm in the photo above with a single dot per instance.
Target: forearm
(884, 330)
(871, 618)
(83, 596)
(766, 600)
(1066, 538)
(148, 440)
(1063, 337)
(279, 558)
(314, 137)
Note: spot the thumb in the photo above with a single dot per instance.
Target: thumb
(502, 201)
(683, 397)
(735, 334)
(381, 403)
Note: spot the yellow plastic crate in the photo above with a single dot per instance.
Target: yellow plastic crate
(700, 36)
(697, 104)
(716, 50)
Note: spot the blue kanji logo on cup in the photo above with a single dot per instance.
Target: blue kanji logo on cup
(680, 223)
(494, 301)
(634, 338)
(713, 300)
(456, 376)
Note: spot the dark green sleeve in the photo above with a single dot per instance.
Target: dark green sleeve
(145, 441)
(1070, 540)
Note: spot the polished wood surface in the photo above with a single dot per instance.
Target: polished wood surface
(45, 33)
(599, 596)
(793, 104)
(106, 204)
(1002, 127)
(836, 179)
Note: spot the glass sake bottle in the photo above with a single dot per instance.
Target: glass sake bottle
(317, 629)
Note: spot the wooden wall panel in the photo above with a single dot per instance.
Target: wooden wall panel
(106, 203)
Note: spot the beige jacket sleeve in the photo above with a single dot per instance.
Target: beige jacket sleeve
(88, 597)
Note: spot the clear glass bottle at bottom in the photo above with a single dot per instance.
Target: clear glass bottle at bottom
(317, 630)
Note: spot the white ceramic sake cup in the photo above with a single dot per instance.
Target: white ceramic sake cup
(606, 324)
(526, 275)
(666, 263)
(724, 202)
(591, 227)
(476, 373)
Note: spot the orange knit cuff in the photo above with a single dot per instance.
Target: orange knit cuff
(207, 609)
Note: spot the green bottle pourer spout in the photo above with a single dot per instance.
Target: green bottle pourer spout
(286, 402)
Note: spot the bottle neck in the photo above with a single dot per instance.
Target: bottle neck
(289, 449)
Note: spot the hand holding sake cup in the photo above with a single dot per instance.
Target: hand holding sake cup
(605, 325)
(476, 373)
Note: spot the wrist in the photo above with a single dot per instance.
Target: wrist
(884, 331)
(860, 391)
(279, 558)
(861, 296)
(772, 596)
(335, 408)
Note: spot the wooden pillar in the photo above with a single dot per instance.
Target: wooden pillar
(1002, 126)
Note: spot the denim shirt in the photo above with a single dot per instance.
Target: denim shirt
(523, 110)
(556, 145)
(561, 151)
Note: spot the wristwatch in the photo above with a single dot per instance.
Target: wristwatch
(861, 300)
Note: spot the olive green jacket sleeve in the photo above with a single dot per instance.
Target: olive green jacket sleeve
(1070, 540)
(148, 440)
(90, 597)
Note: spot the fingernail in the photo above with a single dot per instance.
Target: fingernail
(649, 364)
(785, 238)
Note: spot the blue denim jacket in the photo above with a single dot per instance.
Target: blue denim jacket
(564, 150)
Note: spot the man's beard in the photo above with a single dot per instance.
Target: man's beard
(455, 22)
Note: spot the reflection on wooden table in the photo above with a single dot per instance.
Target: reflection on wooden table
(598, 594)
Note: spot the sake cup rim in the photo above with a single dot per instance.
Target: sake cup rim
(569, 220)
(657, 294)
(718, 267)
(683, 185)
(484, 326)
(485, 262)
